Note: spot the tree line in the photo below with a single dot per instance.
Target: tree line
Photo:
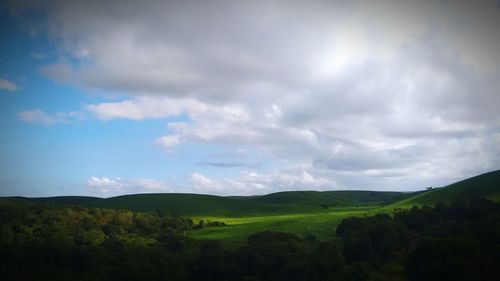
(460, 241)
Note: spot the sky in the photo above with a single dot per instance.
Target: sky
(104, 98)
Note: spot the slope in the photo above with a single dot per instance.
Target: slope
(57, 200)
(192, 204)
(342, 198)
(484, 186)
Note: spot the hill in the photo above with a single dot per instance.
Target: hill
(482, 186)
(288, 202)
(281, 203)
(191, 204)
(486, 186)
(311, 198)
(341, 198)
(210, 205)
(57, 200)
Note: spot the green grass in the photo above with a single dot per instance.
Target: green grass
(324, 222)
(321, 223)
(298, 212)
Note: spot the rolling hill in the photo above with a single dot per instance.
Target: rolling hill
(210, 205)
(341, 198)
(309, 198)
(289, 202)
(485, 186)
(190, 204)
(56, 200)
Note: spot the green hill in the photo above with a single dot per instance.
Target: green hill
(342, 198)
(210, 205)
(192, 204)
(485, 186)
(288, 202)
(57, 200)
(311, 198)
(364, 197)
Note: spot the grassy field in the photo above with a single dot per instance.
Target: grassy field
(298, 212)
(320, 223)
(324, 222)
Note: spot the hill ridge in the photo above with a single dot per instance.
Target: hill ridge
(486, 185)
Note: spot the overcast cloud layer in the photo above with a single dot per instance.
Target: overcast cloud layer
(334, 94)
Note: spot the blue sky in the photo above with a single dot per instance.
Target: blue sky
(104, 98)
(45, 158)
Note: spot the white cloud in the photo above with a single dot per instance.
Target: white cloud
(138, 109)
(169, 142)
(252, 183)
(180, 52)
(366, 93)
(38, 116)
(105, 183)
(38, 55)
(117, 186)
(8, 85)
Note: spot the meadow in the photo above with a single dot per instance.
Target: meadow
(319, 223)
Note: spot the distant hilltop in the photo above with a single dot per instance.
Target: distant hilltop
(485, 186)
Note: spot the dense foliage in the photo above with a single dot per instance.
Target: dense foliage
(72, 243)
(456, 242)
